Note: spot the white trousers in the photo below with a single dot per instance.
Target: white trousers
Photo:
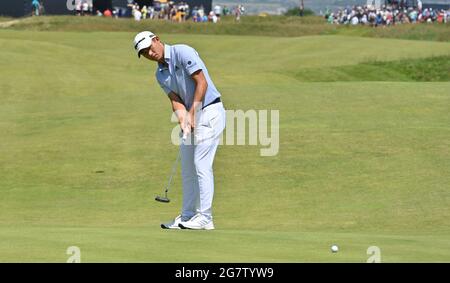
(197, 156)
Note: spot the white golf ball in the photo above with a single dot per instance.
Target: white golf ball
(334, 248)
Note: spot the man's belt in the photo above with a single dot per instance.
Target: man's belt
(217, 100)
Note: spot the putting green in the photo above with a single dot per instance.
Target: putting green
(360, 163)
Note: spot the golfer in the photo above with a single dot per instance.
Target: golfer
(196, 102)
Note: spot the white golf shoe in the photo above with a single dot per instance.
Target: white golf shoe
(198, 222)
(174, 224)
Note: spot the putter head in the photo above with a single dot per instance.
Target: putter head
(162, 199)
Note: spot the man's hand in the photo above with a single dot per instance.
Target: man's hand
(180, 111)
(185, 125)
(191, 118)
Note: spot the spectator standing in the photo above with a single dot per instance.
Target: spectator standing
(379, 19)
(144, 12)
(36, 7)
(91, 7)
(165, 10)
(195, 14)
(242, 9)
(218, 11)
(330, 18)
(440, 17)
(364, 19)
(85, 7)
(372, 18)
(201, 13)
(212, 17)
(157, 9)
(238, 12)
(78, 7)
(175, 14)
(184, 10)
(151, 12)
(137, 14)
(413, 16)
(226, 11)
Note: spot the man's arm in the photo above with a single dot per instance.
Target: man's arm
(200, 90)
(180, 110)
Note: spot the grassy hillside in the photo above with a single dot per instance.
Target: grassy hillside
(275, 26)
(361, 163)
(429, 69)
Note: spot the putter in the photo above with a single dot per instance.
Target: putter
(174, 168)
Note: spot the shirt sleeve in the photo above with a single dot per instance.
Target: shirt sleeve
(166, 89)
(190, 60)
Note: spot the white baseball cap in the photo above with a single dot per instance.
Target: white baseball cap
(143, 40)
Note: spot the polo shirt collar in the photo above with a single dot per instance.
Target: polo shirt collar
(167, 51)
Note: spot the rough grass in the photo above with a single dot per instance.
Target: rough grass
(5, 19)
(431, 69)
(435, 32)
(276, 26)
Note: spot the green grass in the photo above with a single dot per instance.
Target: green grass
(133, 244)
(361, 163)
(431, 69)
(273, 26)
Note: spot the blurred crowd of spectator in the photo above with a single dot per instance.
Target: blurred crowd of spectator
(180, 12)
(161, 9)
(387, 15)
